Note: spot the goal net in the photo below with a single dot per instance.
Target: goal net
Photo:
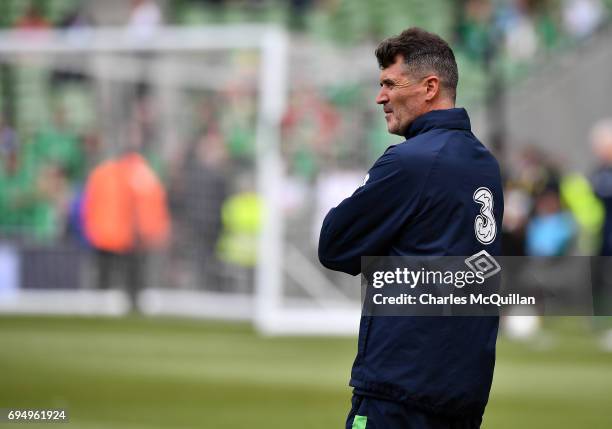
(251, 138)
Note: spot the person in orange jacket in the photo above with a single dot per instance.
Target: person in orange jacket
(125, 216)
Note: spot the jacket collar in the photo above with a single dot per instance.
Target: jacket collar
(448, 119)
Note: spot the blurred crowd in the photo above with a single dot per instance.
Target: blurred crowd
(551, 210)
(525, 28)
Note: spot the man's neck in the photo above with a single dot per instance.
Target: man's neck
(441, 104)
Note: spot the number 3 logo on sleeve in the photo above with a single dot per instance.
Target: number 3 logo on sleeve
(484, 225)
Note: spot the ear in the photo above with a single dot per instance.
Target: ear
(432, 87)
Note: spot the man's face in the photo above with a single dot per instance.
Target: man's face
(402, 96)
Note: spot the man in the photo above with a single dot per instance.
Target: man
(419, 199)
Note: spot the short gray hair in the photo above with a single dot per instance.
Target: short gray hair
(423, 53)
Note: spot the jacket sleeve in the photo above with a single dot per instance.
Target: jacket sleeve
(366, 223)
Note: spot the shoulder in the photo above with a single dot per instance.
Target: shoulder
(415, 153)
(461, 150)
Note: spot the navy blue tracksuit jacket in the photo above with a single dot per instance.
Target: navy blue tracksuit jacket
(420, 199)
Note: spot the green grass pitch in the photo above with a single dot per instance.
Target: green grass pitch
(138, 373)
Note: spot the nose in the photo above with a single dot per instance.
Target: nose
(382, 97)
